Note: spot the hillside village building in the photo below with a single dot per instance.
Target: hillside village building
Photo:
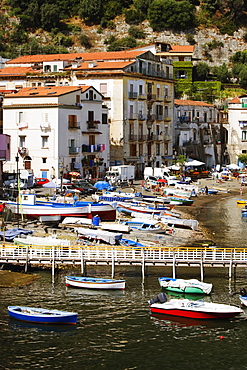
(137, 88)
(237, 128)
(198, 133)
(57, 129)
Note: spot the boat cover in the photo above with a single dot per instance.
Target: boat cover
(10, 234)
(106, 236)
(182, 284)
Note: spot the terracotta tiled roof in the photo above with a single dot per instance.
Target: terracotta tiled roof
(235, 100)
(45, 91)
(104, 65)
(192, 102)
(113, 55)
(182, 49)
(16, 71)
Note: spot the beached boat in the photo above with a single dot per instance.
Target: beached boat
(147, 225)
(191, 286)
(129, 208)
(94, 283)
(41, 315)
(192, 309)
(98, 234)
(30, 208)
(42, 241)
(243, 299)
(241, 201)
(131, 243)
(172, 221)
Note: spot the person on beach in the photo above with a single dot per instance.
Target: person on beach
(206, 190)
(241, 190)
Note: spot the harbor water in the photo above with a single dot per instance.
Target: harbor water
(115, 329)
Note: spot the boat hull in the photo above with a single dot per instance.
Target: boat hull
(93, 283)
(42, 316)
(191, 311)
(243, 300)
(187, 290)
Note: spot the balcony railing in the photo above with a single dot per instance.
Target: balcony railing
(92, 124)
(167, 99)
(73, 125)
(96, 148)
(132, 116)
(141, 117)
(151, 117)
(132, 95)
(159, 117)
(151, 97)
(132, 137)
(167, 118)
(74, 150)
(142, 96)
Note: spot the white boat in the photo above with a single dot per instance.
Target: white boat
(94, 283)
(42, 241)
(142, 224)
(192, 309)
(191, 286)
(169, 220)
(98, 234)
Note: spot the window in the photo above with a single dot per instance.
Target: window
(77, 99)
(244, 135)
(72, 121)
(158, 91)
(90, 94)
(22, 141)
(90, 116)
(132, 150)
(166, 91)
(44, 142)
(47, 68)
(103, 88)
(157, 149)
(140, 90)
(44, 160)
(54, 68)
(181, 74)
(140, 149)
(91, 139)
(104, 119)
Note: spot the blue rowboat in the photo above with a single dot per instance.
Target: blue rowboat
(41, 315)
(94, 283)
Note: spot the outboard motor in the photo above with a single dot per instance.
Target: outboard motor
(161, 298)
(243, 292)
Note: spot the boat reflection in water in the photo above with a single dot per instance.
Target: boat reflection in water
(176, 321)
(17, 325)
(193, 297)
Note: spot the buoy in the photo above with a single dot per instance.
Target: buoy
(222, 337)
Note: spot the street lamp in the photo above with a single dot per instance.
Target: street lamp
(17, 180)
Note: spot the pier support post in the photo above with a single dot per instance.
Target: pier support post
(143, 264)
(113, 263)
(201, 265)
(230, 267)
(174, 266)
(26, 264)
(53, 265)
(82, 262)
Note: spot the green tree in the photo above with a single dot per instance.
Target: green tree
(127, 42)
(85, 41)
(50, 16)
(170, 14)
(243, 159)
(136, 32)
(243, 77)
(134, 16)
(91, 11)
(222, 73)
(201, 71)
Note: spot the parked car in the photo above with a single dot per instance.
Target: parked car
(39, 181)
(85, 187)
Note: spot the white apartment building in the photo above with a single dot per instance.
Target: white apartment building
(55, 130)
(197, 132)
(237, 128)
(138, 89)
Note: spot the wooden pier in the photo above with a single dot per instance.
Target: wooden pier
(55, 256)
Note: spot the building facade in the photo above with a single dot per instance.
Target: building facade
(137, 88)
(55, 130)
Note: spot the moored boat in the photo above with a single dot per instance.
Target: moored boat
(131, 243)
(192, 286)
(192, 309)
(94, 283)
(41, 315)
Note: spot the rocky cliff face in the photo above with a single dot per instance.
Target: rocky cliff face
(217, 56)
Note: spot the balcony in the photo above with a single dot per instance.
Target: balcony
(132, 137)
(132, 95)
(74, 125)
(159, 117)
(159, 98)
(151, 97)
(151, 117)
(23, 151)
(132, 116)
(142, 96)
(166, 137)
(167, 99)
(92, 125)
(96, 148)
(167, 118)
(141, 117)
(74, 150)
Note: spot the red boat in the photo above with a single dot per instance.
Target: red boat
(192, 309)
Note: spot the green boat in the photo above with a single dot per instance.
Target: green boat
(191, 286)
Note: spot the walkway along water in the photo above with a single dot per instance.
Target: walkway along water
(117, 256)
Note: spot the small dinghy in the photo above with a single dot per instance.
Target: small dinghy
(243, 296)
(94, 283)
(192, 309)
(191, 286)
(41, 315)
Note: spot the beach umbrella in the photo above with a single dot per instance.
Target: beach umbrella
(194, 163)
(174, 167)
(233, 166)
(75, 174)
(50, 185)
(101, 185)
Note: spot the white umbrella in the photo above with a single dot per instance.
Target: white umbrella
(233, 166)
(174, 167)
(193, 163)
(50, 185)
